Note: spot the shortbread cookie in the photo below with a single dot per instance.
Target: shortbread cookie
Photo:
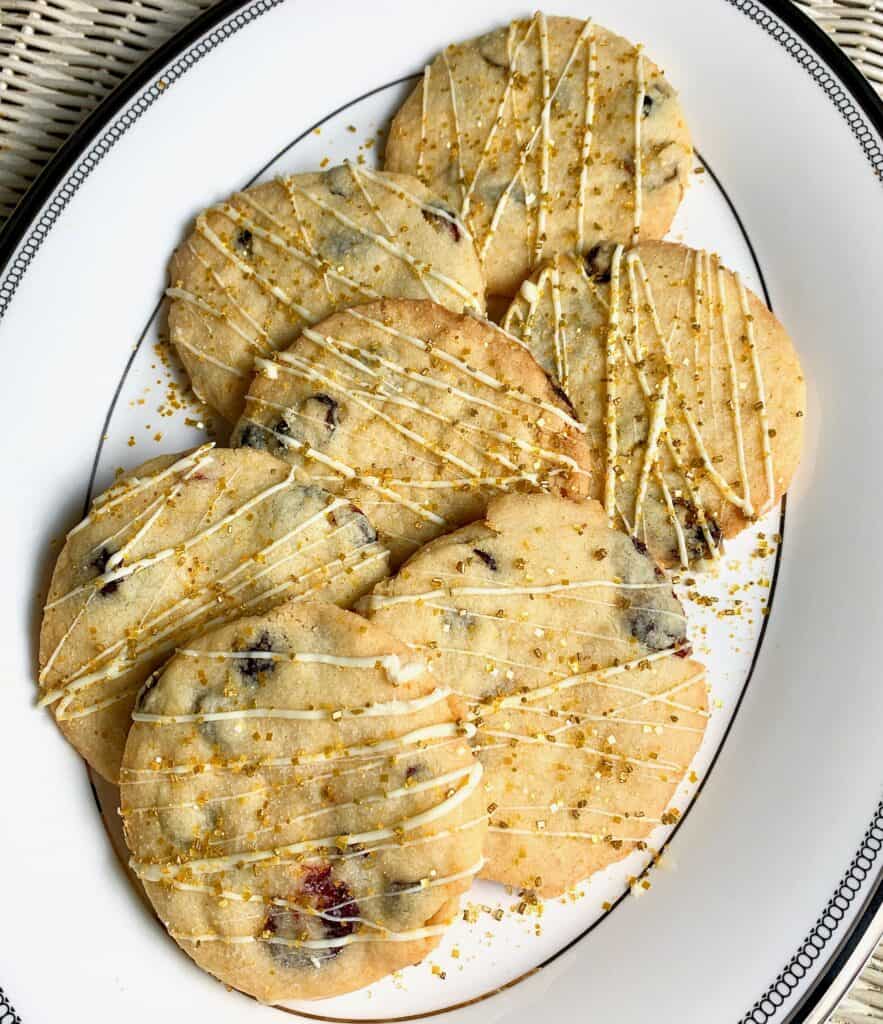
(568, 648)
(690, 388)
(415, 413)
(269, 260)
(301, 804)
(547, 135)
(182, 543)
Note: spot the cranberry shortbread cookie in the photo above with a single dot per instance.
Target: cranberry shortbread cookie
(417, 414)
(547, 135)
(301, 803)
(690, 388)
(568, 648)
(181, 543)
(269, 260)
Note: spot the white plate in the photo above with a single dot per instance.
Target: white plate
(777, 874)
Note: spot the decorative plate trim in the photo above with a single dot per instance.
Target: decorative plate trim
(821, 76)
(7, 1014)
(99, 150)
(219, 30)
(824, 929)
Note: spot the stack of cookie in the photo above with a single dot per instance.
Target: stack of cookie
(307, 789)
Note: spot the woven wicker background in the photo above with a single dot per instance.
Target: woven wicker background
(59, 58)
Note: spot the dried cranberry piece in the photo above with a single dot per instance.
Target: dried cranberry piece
(655, 629)
(330, 407)
(560, 393)
(640, 546)
(598, 261)
(329, 896)
(252, 435)
(99, 562)
(243, 242)
(487, 558)
(442, 219)
(255, 669)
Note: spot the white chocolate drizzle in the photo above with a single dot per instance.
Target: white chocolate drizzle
(588, 131)
(212, 865)
(537, 132)
(310, 549)
(391, 664)
(416, 737)
(611, 352)
(684, 457)
(639, 157)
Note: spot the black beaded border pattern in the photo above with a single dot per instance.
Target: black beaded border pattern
(7, 1014)
(111, 136)
(828, 922)
(824, 929)
(821, 76)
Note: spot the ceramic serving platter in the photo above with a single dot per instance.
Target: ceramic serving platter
(759, 903)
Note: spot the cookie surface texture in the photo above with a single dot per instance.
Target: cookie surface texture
(691, 390)
(301, 804)
(547, 135)
(267, 261)
(181, 543)
(568, 648)
(416, 414)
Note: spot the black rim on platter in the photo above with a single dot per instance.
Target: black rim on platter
(855, 100)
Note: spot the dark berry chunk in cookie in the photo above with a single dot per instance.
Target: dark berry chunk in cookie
(487, 558)
(212, 732)
(329, 911)
(442, 219)
(353, 514)
(598, 260)
(565, 401)
(255, 669)
(342, 243)
(657, 629)
(640, 546)
(655, 96)
(243, 243)
(416, 770)
(695, 539)
(324, 408)
(364, 523)
(282, 923)
(250, 435)
(99, 562)
(333, 899)
(282, 427)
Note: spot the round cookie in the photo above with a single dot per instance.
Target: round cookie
(271, 259)
(690, 388)
(415, 413)
(184, 542)
(547, 135)
(301, 803)
(568, 648)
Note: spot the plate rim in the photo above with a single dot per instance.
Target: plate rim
(843, 84)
